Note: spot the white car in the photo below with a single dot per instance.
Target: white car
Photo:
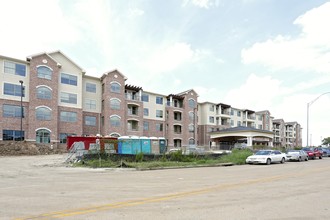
(296, 155)
(266, 157)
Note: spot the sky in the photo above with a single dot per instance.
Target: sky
(251, 54)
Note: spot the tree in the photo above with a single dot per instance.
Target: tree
(326, 141)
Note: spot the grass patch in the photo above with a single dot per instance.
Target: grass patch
(237, 157)
(176, 159)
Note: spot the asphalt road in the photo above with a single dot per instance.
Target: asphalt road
(41, 187)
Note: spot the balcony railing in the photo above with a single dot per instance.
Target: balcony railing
(132, 112)
(132, 97)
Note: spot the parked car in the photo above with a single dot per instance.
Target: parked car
(313, 152)
(326, 152)
(266, 157)
(297, 155)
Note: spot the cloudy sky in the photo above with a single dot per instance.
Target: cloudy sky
(257, 54)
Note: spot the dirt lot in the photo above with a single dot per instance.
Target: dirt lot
(14, 148)
(43, 187)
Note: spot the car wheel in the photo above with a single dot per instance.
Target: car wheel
(320, 157)
(283, 160)
(268, 161)
(306, 159)
(299, 159)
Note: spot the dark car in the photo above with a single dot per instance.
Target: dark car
(313, 152)
(326, 152)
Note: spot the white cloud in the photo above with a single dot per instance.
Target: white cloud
(289, 103)
(309, 51)
(202, 3)
(135, 12)
(169, 58)
(34, 26)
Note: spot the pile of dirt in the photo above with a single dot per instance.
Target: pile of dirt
(16, 148)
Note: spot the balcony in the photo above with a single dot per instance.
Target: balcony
(132, 125)
(177, 129)
(133, 97)
(133, 112)
(177, 116)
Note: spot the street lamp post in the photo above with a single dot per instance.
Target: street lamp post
(21, 82)
(308, 105)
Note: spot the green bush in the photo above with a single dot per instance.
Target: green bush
(236, 157)
(139, 157)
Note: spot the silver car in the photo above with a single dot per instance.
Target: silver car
(297, 155)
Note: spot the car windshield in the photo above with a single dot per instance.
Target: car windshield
(263, 152)
(293, 151)
(308, 149)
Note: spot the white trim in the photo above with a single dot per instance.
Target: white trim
(45, 66)
(177, 124)
(44, 86)
(114, 116)
(115, 82)
(43, 106)
(132, 119)
(132, 103)
(115, 99)
(44, 129)
(114, 133)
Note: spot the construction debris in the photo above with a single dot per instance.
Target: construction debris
(16, 148)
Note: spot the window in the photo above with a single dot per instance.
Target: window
(260, 126)
(159, 127)
(14, 90)
(44, 93)
(191, 141)
(43, 136)
(69, 79)
(191, 103)
(211, 108)
(44, 72)
(12, 135)
(90, 104)
(115, 87)
(232, 112)
(239, 113)
(211, 119)
(43, 114)
(91, 87)
(90, 120)
(191, 128)
(159, 113)
(159, 100)
(68, 116)
(15, 68)
(115, 121)
(146, 112)
(145, 126)
(63, 137)
(239, 123)
(191, 116)
(68, 98)
(115, 104)
(12, 111)
(260, 117)
(232, 122)
(145, 97)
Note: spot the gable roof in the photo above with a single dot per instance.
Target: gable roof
(49, 54)
(111, 71)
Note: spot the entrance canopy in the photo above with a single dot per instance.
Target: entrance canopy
(237, 133)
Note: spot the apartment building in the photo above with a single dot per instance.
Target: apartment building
(215, 117)
(58, 99)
